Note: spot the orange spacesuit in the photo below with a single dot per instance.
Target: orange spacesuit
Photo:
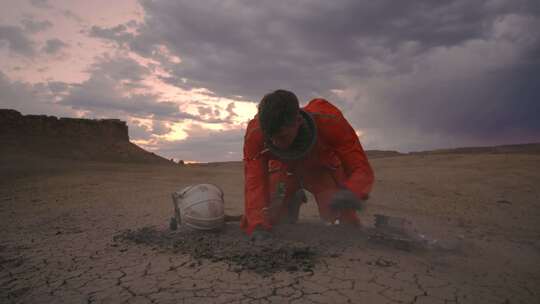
(336, 160)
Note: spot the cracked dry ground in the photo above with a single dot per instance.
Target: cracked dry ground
(58, 221)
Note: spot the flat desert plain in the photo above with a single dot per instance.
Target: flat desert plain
(83, 232)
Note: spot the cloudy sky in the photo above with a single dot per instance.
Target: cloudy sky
(187, 75)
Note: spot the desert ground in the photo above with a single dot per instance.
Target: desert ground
(472, 236)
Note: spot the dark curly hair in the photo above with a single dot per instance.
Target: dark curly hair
(276, 110)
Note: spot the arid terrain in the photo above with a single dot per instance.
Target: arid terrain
(84, 218)
(477, 218)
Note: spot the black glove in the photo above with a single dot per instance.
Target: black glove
(294, 204)
(260, 235)
(345, 199)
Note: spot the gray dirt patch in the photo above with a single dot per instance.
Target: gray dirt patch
(294, 247)
(229, 247)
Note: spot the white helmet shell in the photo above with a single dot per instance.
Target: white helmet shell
(201, 206)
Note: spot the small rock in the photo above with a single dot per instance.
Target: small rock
(382, 263)
(292, 268)
(237, 269)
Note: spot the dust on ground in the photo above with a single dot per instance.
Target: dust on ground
(475, 222)
(292, 248)
(240, 254)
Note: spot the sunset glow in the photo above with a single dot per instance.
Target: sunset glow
(183, 82)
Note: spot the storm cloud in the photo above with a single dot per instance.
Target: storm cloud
(117, 33)
(29, 98)
(414, 74)
(112, 87)
(408, 75)
(53, 46)
(33, 26)
(15, 39)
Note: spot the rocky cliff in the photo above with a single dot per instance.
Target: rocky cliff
(72, 138)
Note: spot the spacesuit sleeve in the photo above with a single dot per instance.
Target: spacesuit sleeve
(256, 194)
(355, 163)
(336, 131)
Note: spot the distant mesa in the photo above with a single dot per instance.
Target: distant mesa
(107, 140)
(531, 148)
(70, 138)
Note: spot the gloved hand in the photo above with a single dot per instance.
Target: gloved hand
(259, 235)
(345, 199)
(293, 206)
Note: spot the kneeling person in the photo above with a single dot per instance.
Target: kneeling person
(288, 149)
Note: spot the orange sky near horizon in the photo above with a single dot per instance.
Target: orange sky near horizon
(72, 23)
(187, 75)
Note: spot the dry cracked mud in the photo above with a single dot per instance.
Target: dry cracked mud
(98, 233)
